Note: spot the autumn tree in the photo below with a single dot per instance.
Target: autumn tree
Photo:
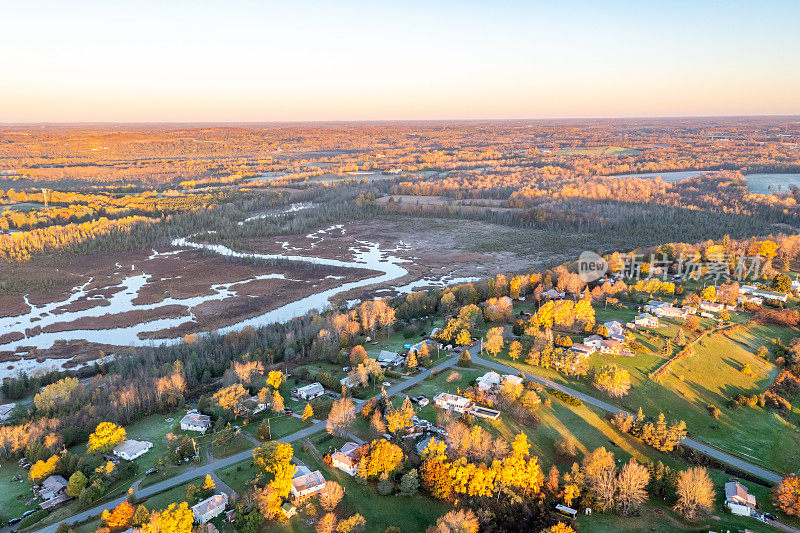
(341, 417)
(458, 521)
(275, 379)
(277, 405)
(381, 456)
(106, 435)
(42, 469)
(331, 495)
(177, 518)
(308, 412)
(494, 341)
(632, 486)
(120, 518)
(56, 395)
(786, 495)
(515, 350)
(613, 380)
(695, 492)
(357, 355)
(231, 398)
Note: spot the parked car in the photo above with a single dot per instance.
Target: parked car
(28, 512)
(387, 384)
(287, 411)
(151, 472)
(14, 521)
(770, 516)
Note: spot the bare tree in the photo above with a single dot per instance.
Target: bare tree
(331, 495)
(342, 414)
(695, 492)
(631, 486)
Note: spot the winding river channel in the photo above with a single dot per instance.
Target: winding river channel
(366, 255)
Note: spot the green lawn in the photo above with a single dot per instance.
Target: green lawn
(711, 376)
(14, 494)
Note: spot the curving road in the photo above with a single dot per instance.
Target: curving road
(216, 464)
(397, 388)
(744, 466)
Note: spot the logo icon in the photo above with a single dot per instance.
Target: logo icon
(591, 266)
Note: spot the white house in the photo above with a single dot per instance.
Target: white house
(488, 382)
(346, 458)
(210, 508)
(593, 341)
(452, 402)
(491, 381)
(307, 483)
(711, 307)
(309, 392)
(646, 320)
(346, 381)
(668, 311)
(131, 449)
(757, 300)
(194, 421)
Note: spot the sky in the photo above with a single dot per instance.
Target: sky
(256, 61)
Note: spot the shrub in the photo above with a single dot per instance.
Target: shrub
(564, 397)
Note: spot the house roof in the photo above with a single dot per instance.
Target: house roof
(132, 447)
(196, 419)
(308, 481)
(349, 448)
(210, 504)
(54, 483)
(339, 457)
(386, 356)
(313, 388)
(734, 489)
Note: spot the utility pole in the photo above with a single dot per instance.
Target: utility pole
(44, 193)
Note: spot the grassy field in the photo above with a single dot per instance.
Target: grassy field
(711, 377)
(14, 494)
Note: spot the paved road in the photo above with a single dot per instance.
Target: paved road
(216, 464)
(744, 466)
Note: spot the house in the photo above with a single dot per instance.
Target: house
(736, 493)
(646, 320)
(5, 411)
(615, 329)
(389, 359)
(491, 381)
(452, 402)
(767, 295)
(711, 307)
(289, 510)
(306, 483)
(254, 405)
(611, 346)
(347, 381)
(593, 341)
(53, 491)
(131, 449)
(423, 444)
(210, 508)
(309, 392)
(415, 348)
(194, 421)
(488, 382)
(757, 300)
(553, 294)
(668, 311)
(583, 349)
(346, 459)
(795, 286)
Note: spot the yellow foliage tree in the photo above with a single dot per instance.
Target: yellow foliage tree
(308, 412)
(42, 469)
(177, 518)
(120, 518)
(106, 435)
